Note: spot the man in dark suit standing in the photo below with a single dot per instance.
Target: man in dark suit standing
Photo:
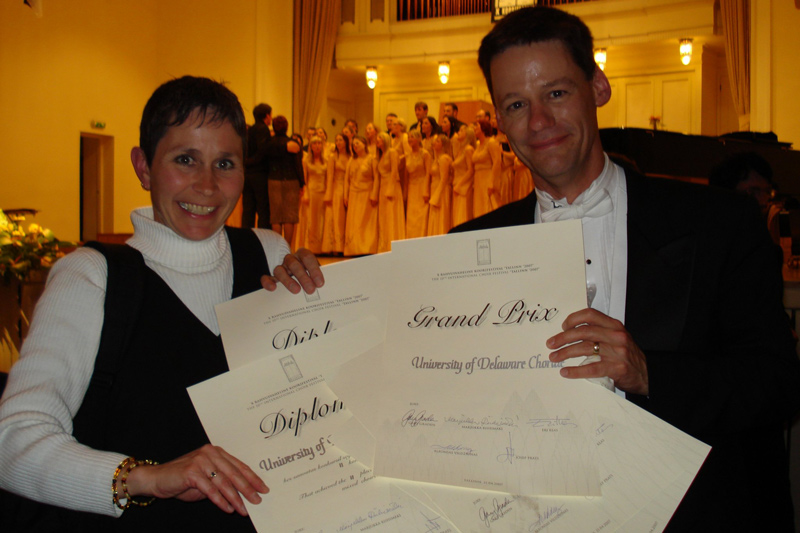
(255, 194)
(451, 112)
(685, 305)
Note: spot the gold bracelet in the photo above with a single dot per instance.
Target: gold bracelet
(129, 498)
(122, 465)
(124, 468)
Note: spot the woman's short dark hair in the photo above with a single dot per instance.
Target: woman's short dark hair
(280, 125)
(534, 25)
(173, 102)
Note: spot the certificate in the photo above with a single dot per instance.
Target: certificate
(263, 323)
(278, 416)
(467, 394)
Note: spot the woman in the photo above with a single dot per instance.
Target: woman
(463, 175)
(327, 147)
(429, 128)
(316, 172)
(284, 179)
(391, 219)
(361, 229)
(372, 138)
(191, 160)
(348, 132)
(446, 127)
(400, 137)
(487, 162)
(333, 236)
(418, 169)
(440, 219)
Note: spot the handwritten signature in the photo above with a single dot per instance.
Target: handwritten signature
(603, 428)
(549, 512)
(508, 455)
(550, 422)
(432, 524)
(497, 511)
(413, 419)
(452, 448)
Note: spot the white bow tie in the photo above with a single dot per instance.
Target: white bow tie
(595, 206)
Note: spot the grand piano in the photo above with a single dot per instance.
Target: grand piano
(691, 157)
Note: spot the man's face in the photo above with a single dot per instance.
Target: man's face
(389, 122)
(448, 111)
(310, 132)
(268, 120)
(480, 116)
(420, 112)
(548, 110)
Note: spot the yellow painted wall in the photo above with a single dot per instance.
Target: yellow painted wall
(83, 60)
(786, 72)
(90, 60)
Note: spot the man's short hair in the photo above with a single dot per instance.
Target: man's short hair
(488, 114)
(391, 115)
(422, 105)
(173, 102)
(261, 111)
(280, 125)
(349, 120)
(534, 25)
(452, 105)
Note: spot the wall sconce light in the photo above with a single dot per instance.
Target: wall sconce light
(600, 57)
(686, 51)
(372, 77)
(444, 71)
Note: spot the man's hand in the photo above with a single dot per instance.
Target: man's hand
(299, 270)
(620, 357)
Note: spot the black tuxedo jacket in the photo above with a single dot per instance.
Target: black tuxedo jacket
(703, 302)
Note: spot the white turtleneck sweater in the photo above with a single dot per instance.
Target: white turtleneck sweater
(39, 458)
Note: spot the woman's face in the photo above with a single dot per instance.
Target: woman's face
(321, 134)
(397, 129)
(358, 147)
(446, 125)
(195, 178)
(379, 143)
(413, 141)
(462, 132)
(437, 142)
(340, 144)
(371, 131)
(316, 148)
(477, 129)
(347, 132)
(426, 126)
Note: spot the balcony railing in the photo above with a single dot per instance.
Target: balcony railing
(426, 9)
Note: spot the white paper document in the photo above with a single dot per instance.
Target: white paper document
(468, 396)
(282, 420)
(444, 412)
(263, 323)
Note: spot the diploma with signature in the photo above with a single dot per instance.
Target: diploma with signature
(279, 417)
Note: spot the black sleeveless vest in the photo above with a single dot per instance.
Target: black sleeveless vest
(144, 410)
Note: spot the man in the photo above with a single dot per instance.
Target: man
(255, 195)
(311, 131)
(685, 300)
(352, 124)
(451, 112)
(485, 116)
(390, 118)
(421, 111)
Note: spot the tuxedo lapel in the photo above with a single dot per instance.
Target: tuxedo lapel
(661, 259)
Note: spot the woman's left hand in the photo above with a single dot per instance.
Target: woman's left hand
(299, 270)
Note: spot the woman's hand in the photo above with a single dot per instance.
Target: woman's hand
(299, 271)
(208, 472)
